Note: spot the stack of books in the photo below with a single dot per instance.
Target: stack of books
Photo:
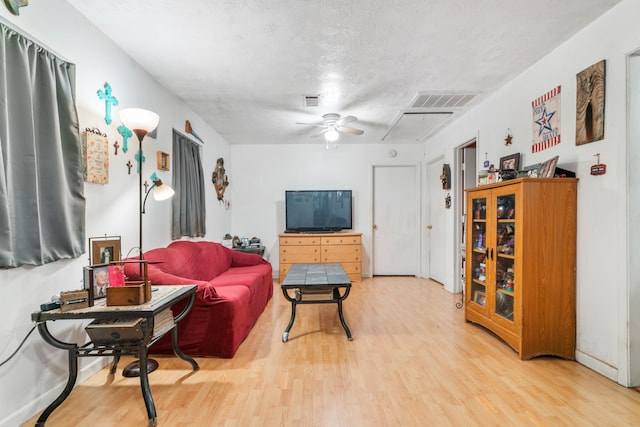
(163, 322)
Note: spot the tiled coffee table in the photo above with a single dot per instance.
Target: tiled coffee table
(316, 284)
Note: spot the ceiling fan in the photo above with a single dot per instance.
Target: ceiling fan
(333, 125)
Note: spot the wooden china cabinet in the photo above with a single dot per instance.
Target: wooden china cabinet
(521, 260)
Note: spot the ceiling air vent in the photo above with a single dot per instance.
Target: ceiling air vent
(311, 101)
(427, 112)
(442, 100)
(413, 127)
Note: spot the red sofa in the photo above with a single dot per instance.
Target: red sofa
(233, 290)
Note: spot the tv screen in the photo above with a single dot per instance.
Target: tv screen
(318, 211)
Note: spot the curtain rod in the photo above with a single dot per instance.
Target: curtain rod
(187, 136)
(11, 26)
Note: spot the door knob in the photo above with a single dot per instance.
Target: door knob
(375, 227)
(429, 227)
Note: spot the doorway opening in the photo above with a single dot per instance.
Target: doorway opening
(465, 172)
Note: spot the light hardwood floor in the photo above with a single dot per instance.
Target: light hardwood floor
(413, 362)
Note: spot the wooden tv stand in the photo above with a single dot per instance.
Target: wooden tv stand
(345, 248)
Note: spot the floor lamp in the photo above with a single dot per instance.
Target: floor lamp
(140, 122)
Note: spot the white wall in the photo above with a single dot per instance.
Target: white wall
(602, 288)
(633, 221)
(31, 380)
(262, 174)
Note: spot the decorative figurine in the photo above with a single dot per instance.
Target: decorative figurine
(219, 179)
(189, 130)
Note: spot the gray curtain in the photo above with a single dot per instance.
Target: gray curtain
(42, 205)
(188, 209)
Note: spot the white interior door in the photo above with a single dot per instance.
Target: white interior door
(396, 220)
(435, 220)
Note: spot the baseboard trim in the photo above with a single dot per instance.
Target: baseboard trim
(43, 400)
(598, 366)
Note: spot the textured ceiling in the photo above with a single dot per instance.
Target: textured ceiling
(245, 65)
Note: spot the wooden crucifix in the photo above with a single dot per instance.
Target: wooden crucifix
(129, 166)
(109, 100)
(116, 146)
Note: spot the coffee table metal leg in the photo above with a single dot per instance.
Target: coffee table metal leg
(344, 324)
(144, 385)
(285, 335)
(73, 371)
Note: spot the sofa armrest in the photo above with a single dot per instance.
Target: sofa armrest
(158, 277)
(245, 259)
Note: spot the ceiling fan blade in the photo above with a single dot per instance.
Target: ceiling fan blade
(347, 119)
(320, 134)
(311, 124)
(352, 131)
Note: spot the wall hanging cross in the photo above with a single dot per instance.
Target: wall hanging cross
(139, 158)
(109, 100)
(126, 134)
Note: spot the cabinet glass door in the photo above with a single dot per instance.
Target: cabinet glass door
(478, 255)
(505, 230)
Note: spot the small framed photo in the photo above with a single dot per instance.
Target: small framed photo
(96, 281)
(479, 297)
(511, 162)
(104, 249)
(87, 278)
(533, 171)
(100, 277)
(548, 168)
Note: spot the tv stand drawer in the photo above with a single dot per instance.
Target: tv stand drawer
(345, 248)
(347, 239)
(299, 240)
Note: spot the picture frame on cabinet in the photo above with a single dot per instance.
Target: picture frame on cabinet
(548, 168)
(480, 298)
(511, 162)
(532, 170)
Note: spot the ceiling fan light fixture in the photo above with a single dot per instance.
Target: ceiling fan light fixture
(331, 135)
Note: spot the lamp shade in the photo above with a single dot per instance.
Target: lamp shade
(138, 119)
(162, 191)
(331, 135)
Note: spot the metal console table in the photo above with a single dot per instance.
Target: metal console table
(162, 298)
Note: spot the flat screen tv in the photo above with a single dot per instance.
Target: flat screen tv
(318, 211)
